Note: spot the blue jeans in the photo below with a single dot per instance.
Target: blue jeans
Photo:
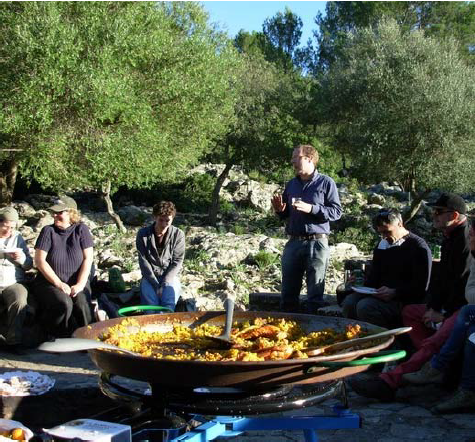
(169, 294)
(309, 257)
(458, 342)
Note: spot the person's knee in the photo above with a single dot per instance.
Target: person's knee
(16, 295)
(348, 307)
(366, 310)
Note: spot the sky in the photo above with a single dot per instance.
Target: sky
(233, 16)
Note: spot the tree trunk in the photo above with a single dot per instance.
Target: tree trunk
(416, 204)
(7, 181)
(106, 196)
(213, 210)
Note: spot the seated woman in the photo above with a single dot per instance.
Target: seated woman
(161, 250)
(63, 256)
(14, 260)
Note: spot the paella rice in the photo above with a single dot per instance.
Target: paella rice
(259, 339)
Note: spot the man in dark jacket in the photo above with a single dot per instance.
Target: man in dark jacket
(400, 274)
(433, 322)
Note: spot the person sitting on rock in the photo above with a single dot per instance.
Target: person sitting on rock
(400, 272)
(14, 260)
(433, 322)
(161, 251)
(64, 256)
(461, 341)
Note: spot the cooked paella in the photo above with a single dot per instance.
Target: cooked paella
(259, 339)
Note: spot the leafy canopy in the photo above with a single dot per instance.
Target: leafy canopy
(127, 92)
(401, 105)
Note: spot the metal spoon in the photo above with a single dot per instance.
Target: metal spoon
(224, 339)
(351, 342)
(64, 345)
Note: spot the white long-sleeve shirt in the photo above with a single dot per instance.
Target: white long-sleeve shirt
(11, 271)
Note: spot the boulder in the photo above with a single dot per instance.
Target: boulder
(133, 215)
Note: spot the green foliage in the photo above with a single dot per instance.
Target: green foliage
(197, 192)
(265, 259)
(358, 234)
(196, 259)
(126, 92)
(401, 106)
(437, 19)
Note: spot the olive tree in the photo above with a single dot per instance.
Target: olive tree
(401, 106)
(98, 95)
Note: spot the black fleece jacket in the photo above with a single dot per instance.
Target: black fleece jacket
(405, 268)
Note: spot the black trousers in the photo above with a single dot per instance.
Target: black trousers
(59, 313)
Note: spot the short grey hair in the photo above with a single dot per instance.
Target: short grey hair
(387, 216)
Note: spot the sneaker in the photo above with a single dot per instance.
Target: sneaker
(462, 399)
(373, 388)
(426, 375)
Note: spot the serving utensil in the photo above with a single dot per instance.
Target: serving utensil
(351, 342)
(224, 339)
(64, 345)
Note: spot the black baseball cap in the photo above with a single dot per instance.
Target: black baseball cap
(450, 201)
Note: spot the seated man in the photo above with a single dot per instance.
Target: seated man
(461, 340)
(446, 296)
(14, 260)
(161, 250)
(400, 272)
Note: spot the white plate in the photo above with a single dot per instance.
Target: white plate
(11, 250)
(364, 290)
(24, 383)
(7, 424)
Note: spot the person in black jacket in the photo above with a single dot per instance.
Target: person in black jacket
(432, 323)
(400, 273)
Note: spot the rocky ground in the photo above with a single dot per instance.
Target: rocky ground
(241, 254)
(76, 395)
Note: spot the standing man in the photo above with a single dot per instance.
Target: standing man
(161, 250)
(310, 201)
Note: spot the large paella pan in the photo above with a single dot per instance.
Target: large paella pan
(245, 374)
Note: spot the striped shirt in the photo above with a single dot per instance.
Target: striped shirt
(64, 249)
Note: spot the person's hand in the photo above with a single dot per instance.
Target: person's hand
(277, 204)
(302, 207)
(385, 293)
(75, 289)
(15, 256)
(65, 288)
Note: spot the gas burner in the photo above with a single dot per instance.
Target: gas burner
(222, 401)
(162, 413)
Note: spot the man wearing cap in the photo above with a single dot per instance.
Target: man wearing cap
(63, 256)
(14, 260)
(310, 202)
(433, 322)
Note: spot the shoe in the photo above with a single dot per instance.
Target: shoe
(426, 375)
(373, 388)
(462, 399)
